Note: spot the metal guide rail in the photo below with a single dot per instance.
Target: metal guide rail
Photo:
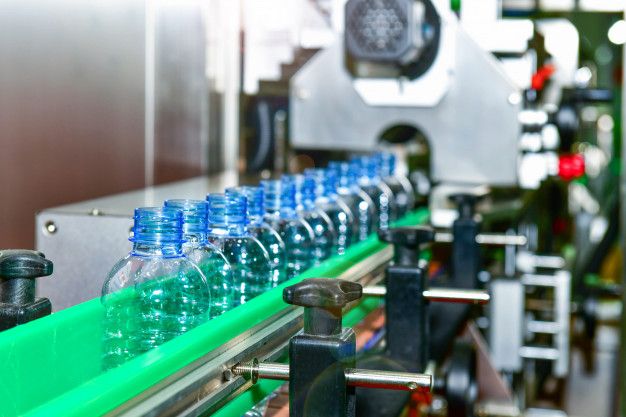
(207, 384)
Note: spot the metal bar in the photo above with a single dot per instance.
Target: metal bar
(451, 295)
(548, 261)
(562, 300)
(374, 291)
(546, 327)
(399, 381)
(365, 378)
(501, 240)
(539, 280)
(256, 370)
(535, 352)
(486, 239)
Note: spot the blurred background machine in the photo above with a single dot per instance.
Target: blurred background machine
(504, 115)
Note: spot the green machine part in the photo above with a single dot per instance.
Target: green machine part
(52, 366)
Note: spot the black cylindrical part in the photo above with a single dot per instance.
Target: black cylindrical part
(18, 291)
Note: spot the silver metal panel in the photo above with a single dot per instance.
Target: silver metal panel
(506, 321)
(71, 105)
(89, 237)
(473, 132)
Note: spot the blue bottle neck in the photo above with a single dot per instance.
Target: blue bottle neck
(149, 249)
(227, 215)
(157, 231)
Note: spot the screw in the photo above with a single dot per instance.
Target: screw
(50, 227)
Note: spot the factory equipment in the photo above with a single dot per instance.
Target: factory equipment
(346, 288)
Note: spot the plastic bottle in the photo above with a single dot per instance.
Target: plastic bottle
(280, 209)
(356, 199)
(324, 234)
(207, 257)
(250, 262)
(400, 185)
(336, 209)
(155, 293)
(370, 182)
(258, 227)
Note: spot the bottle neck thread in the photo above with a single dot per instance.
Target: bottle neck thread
(157, 231)
(288, 202)
(271, 192)
(195, 213)
(227, 214)
(306, 192)
(255, 202)
(387, 164)
(344, 174)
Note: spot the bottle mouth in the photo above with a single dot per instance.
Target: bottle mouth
(326, 180)
(195, 214)
(272, 192)
(158, 225)
(312, 186)
(366, 167)
(229, 209)
(343, 173)
(254, 196)
(387, 163)
(288, 202)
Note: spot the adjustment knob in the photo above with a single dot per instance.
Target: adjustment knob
(323, 293)
(322, 299)
(466, 203)
(18, 270)
(407, 242)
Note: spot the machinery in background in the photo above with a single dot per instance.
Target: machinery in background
(498, 104)
(484, 307)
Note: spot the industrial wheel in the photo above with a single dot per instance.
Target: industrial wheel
(461, 387)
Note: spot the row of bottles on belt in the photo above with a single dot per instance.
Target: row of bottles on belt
(193, 260)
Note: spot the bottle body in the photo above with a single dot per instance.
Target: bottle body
(403, 192)
(342, 219)
(263, 232)
(250, 264)
(384, 201)
(298, 238)
(365, 211)
(324, 235)
(400, 186)
(273, 243)
(155, 293)
(217, 270)
(249, 261)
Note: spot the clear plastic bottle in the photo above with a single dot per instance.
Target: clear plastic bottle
(324, 234)
(207, 257)
(370, 182)
(356, 199)
(155, 293)
(250, 262)
(280, 209)
(258, 227)
(336, 209)
(399, 184)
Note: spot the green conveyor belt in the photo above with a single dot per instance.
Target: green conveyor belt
(51, 367)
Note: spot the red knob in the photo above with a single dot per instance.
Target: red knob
(571, 166)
